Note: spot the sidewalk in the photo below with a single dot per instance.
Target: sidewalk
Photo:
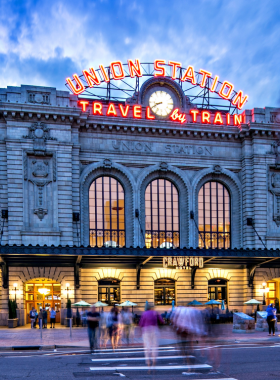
(60, 337)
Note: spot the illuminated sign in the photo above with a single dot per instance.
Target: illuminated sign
(182, 262)
(140, 112)
(117, 71)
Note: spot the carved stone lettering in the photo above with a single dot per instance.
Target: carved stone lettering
(188, 149)
(132, 146)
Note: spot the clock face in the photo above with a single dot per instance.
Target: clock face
(161, 103)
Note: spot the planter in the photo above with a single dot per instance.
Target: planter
(12, 323)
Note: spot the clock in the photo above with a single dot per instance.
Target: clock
(161, 103)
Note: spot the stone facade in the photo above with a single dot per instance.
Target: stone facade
(51, 151)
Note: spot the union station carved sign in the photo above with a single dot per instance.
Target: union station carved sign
(182, 262)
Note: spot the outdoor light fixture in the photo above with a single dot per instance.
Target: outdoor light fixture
(67, 289)
(264, 290)
(15, 286)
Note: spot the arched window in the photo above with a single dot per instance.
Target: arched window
(214, 216)
(106, 213)
(161, 215)
(109, 291)
(217, 289)
(164, 291)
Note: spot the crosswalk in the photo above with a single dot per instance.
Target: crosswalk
(130, 362)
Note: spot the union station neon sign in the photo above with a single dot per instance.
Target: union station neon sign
(92, 78)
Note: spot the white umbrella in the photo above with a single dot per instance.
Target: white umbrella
(127, 304)
(252, 302)
(212, 303)
(99, 304)
(81, 304)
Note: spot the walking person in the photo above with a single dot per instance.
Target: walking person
(149, 322)
(40, 318)
(32, 317)
(127, 324)
(271, 319)
(36, 317)
(113, 325)
(52, 317)
(93, 324)
(45, 317)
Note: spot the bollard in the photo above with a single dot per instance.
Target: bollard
(70, 327)
(41, 327)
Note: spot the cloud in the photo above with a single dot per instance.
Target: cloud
(43, 42)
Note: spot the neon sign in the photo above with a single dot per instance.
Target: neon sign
(140, 112)
(92, 78)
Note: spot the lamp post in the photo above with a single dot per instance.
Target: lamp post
(265, 290)
(67, 290)
(15, 286)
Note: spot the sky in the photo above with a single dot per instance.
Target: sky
(43, 42)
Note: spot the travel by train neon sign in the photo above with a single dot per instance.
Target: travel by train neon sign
(161, 68)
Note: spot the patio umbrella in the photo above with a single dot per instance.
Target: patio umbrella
(212, 303)
(81, 304)
(195, 303)
(252, 302)
(128, 304)
(100, 304)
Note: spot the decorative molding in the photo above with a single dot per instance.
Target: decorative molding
(107, 163)
(163, 166)
(39, 131)
(274, 188)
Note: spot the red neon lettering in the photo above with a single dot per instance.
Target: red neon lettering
(84, 105)
(218, 118)
(194, 115)
(111, 110)
(205, 117)
(205, 75)
(97, 108)
(134, 68)
(148, 114)
(238, 101)
(159, 68)
(178, 116)
(124, 111)
(174, 68)
(105, 75)
(137, 112)
(228, 87)
(119, 65)
(189, 75)
(228, 118)
(237, 119)
(79, 88)
(91, 77)
(214, 83)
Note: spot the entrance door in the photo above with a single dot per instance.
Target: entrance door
(43, 293)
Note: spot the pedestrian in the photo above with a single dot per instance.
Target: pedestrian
(78, 318)
(45, 317)
(127, 323)
(103, 331)
(149, 322)
(113, 325)
(93, 324)
(32, 317)
(271, 318)
(36, 317)
(40, 318)
(52, 317)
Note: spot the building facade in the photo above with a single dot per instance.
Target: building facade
(94, 204)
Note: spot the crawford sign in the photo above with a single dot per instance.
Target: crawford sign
(182, 262)
(171, 69)
(141, 112)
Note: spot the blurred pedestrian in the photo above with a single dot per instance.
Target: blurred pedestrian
(52, 317)
(93, 324)
(103, 330)
(40, 318)
(45, 318)
(113, 325)
(271, 319)
(78, 317)
(32, 317)
(127, 323)
(149, 322)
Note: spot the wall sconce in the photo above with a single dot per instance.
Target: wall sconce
(15, 286)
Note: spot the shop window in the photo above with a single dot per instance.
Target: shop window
(217, 290)
(164, 291)
(214, 216)
(161, 215)
(271, 294)
(109, 291)
(106, 213)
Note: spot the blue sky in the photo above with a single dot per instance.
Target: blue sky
(43, 42)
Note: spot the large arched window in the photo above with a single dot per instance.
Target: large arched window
(106, 213)
(214, 216)
(164, 291)
(161, 215)
(109, 291)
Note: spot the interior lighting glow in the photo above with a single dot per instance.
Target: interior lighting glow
(160, 69)
(189, 75)
(205, 75)
(91, 77)
(118, 65)
(79, 88)
(174, 65)
(43, 291)
(134, 69)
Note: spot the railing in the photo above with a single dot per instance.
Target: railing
(107, 238)
(214, 239)
(162, 239)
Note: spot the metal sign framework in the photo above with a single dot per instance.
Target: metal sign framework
(122, 89)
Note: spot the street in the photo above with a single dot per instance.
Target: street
(241, 361)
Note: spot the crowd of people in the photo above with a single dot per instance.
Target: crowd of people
(42, 317)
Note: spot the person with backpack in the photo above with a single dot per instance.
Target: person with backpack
(271, 319)
(32, 316)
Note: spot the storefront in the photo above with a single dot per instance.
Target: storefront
(105, 191)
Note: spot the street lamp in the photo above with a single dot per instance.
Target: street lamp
(264, 290)
(15, 286)
(67, 289)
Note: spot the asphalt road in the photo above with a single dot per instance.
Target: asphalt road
(235, 361)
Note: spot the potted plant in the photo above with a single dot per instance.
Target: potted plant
(12, 320)
(69, 312)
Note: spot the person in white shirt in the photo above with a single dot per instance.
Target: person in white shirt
(52, 317)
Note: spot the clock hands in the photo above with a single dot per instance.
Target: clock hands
(156, 104)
